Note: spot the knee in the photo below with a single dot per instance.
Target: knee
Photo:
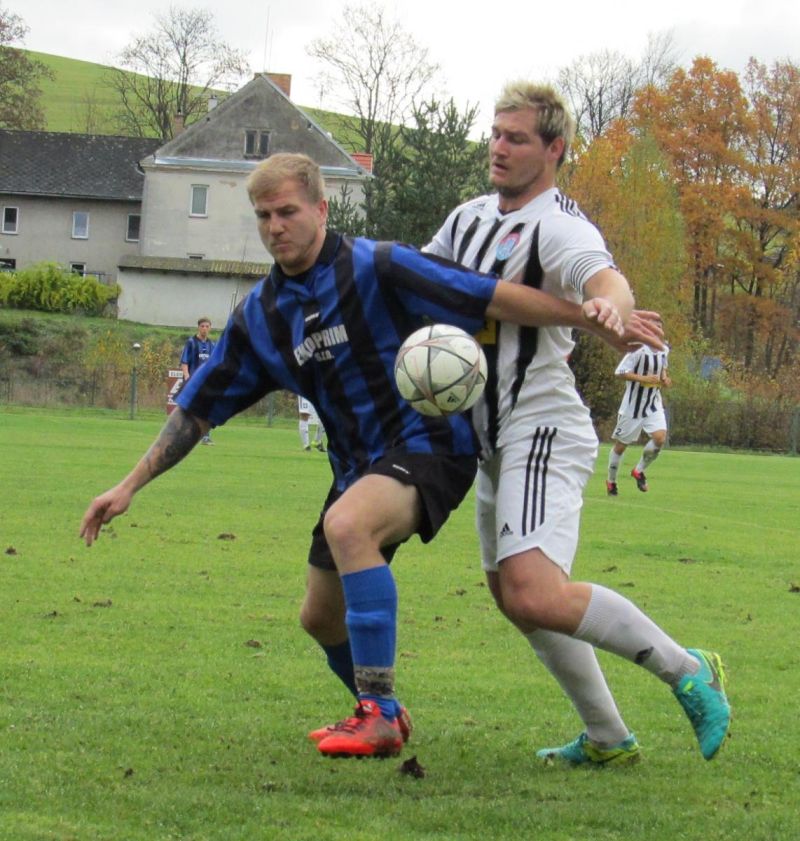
(658, 439)
(343, 531)
(324, 624)
(526, 610)
(531, 609)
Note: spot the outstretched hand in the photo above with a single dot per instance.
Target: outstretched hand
(603, 318)
(102, 510)
(644, 327)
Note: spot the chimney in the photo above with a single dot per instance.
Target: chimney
(363, 159)
(177, 124)
(212, 103)
(282, 81)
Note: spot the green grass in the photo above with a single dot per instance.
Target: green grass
(77, 99)
(133, 707)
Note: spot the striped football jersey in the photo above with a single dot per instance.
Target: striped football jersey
(641, 400)
(547, 244)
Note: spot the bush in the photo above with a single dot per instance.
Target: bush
(52, 288)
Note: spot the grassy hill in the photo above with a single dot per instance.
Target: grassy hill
(77, 99)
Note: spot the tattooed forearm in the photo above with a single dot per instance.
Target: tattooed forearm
(179, 435)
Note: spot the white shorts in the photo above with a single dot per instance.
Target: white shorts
(305, 407)
(530, 494)
(628, 430)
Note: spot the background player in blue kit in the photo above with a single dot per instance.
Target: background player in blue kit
(196, 351)
(327, 324)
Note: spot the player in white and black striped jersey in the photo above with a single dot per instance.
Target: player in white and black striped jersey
(539, 445)
(646, 372)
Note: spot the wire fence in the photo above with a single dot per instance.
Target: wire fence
(757, 425)
(105, 388)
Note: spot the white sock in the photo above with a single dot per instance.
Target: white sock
(614, 459)
(649, 455)
(574, 665)
(303, 426)
(613, 623)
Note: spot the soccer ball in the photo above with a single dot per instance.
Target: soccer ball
(440, 370)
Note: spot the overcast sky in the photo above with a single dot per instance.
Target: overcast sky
(479, 45)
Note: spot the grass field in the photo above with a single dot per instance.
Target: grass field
(78, 99)
(158, 686)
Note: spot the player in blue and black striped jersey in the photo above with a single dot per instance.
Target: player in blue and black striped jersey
(196, 351)
(326, 324)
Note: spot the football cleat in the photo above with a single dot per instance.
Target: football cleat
(703, 699)
(365, 733)
(582, 751)
(611, 489)
(403, 721)
(320, 446)
(641, 479)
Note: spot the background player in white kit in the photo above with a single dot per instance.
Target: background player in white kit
(646, 372)
(539, 444)
(309, 417)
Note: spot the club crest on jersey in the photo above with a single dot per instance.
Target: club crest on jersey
(506, 246)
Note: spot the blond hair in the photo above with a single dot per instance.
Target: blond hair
(267, 177)
(553, 117)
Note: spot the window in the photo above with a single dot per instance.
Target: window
(78, 268)
(199, 200)
(7, 264)
(196, 256)
(134, 223)
(80, 225)
(256, 143)
(10, 220)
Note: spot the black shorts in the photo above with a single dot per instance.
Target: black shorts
(441, 480)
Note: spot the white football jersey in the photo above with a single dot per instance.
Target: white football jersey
(551, 245)
(306, 407)
(640, 400)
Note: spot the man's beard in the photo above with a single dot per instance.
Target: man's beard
(513, 191)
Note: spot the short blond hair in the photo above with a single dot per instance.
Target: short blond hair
(267, 177)
(553, 117)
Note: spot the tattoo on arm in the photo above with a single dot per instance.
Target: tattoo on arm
(179, 435)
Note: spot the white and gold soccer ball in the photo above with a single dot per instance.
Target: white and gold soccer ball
(440, 370)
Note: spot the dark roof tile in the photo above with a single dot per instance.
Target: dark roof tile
(46, 163)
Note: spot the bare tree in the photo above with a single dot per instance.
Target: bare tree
(20, 95)
(378, 72)
(170, 71)
(92, 114)
(660, 59)
(601, 86)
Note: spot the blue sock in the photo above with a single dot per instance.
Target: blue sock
(371, 599)
(340, 661)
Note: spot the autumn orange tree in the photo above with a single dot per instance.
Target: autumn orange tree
(734, 153)
(764, 304)
(623, 183)
(700, 121)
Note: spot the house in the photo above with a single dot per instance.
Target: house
(200, 251)
(71, 198)
(171, 223)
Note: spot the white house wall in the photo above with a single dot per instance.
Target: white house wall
(178, 300)
(44, 233)
(228, 232)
